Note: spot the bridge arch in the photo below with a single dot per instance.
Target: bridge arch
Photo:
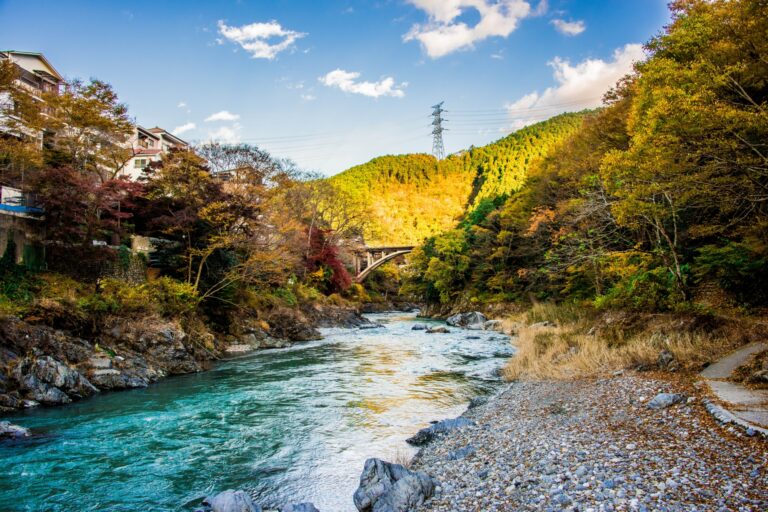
(371, 258)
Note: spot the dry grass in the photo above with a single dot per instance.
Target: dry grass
(579, 342)
(402, 457)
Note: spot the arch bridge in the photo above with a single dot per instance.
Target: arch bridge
(368, 259)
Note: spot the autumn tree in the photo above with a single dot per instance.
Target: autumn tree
(22, 121)
(79, 209)
(91, 128)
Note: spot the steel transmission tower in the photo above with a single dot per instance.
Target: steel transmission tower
(437, 131)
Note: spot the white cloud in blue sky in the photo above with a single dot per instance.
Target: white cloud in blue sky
(579, 86)
(186, 127)
(223, 115)
(445, 33)
(569, 28)
(261, 40)
(347, 81)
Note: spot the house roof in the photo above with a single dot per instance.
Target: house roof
(55, 73)
(166, 133)
(147, 132)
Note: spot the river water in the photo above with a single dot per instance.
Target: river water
(289, 425)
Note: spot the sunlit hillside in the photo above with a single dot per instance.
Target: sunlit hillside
(411, 197)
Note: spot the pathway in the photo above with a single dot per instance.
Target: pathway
(741, 405)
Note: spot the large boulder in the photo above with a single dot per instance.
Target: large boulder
(387, 487)
(299, 507)
(230, 501)
(11, 431)
(472, 320)
(52, 382)
(425, 435)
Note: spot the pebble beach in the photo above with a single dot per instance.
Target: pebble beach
(595, 445)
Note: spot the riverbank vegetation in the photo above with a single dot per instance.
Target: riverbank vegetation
(655, 207)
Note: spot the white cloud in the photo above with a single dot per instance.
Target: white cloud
(444, 34)
(308, 97)
(579, 86)
(569, 28)
(224, 115)
(226, 134)
(183, 128)
(261, 40)
(181, 105)
(347, 82)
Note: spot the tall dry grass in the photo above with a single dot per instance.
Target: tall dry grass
(560, 342)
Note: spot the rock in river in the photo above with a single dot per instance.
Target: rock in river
(425, 435)
(419, 327)
(437, 330)
(230, 501)
(473, 320)
(387, 487)
(11, 431)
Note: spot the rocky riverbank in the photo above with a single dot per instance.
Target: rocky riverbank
(46, 365)
(597, 445)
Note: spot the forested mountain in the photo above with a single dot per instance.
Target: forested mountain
(657, 202)
(412, 197)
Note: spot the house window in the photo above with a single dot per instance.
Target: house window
(140, 163)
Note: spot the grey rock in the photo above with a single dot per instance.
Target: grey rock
(664, 400)
(471, 320)
(370, 326)
(461, 452)
(49, 381)
(492, 325)
(425, 435)
(387, 487)
(11, 431)
(299, 507)
(477, 402)
(419, 327)
(437, 330)
(230, 501)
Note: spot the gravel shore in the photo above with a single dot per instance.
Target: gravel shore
(595, 445)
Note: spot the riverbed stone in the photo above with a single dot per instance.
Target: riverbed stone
(299, 507)
(10, 431)
(387, 487)
(419, 327)
(664, 400)
(437, 330)
(471, 320)
(370, 326)
(230, 501)
(426, 435)
(461, 453)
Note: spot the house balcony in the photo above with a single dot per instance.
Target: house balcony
(16, 203)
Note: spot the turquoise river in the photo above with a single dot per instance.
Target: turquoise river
(289, 425)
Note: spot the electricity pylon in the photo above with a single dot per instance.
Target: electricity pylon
(437, 131)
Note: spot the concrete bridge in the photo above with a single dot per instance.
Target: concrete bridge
(368, 259)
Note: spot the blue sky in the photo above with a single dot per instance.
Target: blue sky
(334, 83)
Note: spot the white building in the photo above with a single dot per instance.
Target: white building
(37, 76)
(149, 145)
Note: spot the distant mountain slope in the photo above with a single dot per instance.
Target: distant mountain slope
(414, 196)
